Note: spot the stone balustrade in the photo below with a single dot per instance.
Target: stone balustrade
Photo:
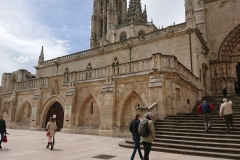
(32, 84)
(157, 62)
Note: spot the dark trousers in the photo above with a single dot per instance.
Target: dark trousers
(147, 148)
(136, 148)
(229, 120)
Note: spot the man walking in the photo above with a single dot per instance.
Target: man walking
(226, 110)
(2, 129)
(204, 110)
(135, 135)
(147, 141)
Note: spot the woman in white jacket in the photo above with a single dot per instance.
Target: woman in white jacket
(51, 129)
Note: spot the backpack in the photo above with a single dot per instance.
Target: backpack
(143, 128)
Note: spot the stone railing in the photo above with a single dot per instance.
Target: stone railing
(32, 84)
(130, 41)
(156, 62)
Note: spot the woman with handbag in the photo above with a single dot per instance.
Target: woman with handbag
(2, 129)
(51, 130)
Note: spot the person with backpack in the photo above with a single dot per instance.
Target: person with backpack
(133, 128)
(147, 132)
(204, 110)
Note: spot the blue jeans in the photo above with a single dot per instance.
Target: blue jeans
(136, 147)
(2, 135)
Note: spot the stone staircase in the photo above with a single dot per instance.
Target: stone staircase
(185, 133)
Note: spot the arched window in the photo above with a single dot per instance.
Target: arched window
(141, 33)
(123, 36)
(91, 108)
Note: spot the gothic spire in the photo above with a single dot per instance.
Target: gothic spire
(41, 57)
(135, 13)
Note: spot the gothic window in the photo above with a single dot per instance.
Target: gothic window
(66, 75)
(115, 65)
(91, 108)
(141, 33)
(105, 27)
(123, 36)
(88, 72)
(101, 7)
(101, 28)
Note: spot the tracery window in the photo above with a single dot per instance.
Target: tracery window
(141, 33)
(123, 36)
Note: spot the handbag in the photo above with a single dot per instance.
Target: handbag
(5, 139)
(48, 133)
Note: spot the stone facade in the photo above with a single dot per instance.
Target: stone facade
(131, 67)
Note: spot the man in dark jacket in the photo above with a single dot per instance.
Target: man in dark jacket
(2, 129)
(204, 110)
(133, 128)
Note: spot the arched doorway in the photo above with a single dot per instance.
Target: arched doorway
(56, 111)
(238, 72)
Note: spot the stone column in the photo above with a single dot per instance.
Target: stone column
(35, 114)
(68, 119)
(156, 93)
(107, 108)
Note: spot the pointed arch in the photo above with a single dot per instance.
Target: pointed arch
(231, 44)
(47, 105)
(89, 114)
(24, 112)
(128, 111)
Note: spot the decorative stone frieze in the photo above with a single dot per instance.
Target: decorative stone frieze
(108, 86)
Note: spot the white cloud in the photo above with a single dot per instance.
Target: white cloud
(21, 59)
(22, 35)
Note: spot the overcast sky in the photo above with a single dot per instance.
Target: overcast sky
(61, 26)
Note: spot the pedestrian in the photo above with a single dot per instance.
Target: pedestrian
(147, 141)
(224, 92)
(204, 110)
(133, 128)
(236, 88)
(51, 128)
(3, 130)
(226, 111)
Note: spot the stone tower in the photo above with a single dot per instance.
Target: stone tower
(113, 22)
(106, 15)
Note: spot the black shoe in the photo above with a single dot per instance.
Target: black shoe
(206, 130)
(210, 127)
(0, 147)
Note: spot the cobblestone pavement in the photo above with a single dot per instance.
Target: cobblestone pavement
(30, 145)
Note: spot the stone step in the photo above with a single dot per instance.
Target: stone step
(220, 140)
(185, 142)
(199, 134)
(198, 130)
(184, 133)
(187, 151)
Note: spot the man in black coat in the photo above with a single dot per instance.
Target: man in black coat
(2, 129)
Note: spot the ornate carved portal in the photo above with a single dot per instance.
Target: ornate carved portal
(225, 71)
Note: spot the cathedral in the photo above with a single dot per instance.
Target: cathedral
(131, 67)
